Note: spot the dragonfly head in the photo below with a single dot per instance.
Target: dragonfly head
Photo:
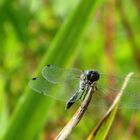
(92, 75)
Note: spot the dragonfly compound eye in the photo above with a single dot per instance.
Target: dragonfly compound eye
(92, 75)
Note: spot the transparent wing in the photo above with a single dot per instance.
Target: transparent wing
(58, 91)
(56, 74)
(108, 88)
(131, 96)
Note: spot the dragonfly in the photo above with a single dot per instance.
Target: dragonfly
(71, 85)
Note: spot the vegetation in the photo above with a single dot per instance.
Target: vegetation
(102, 35)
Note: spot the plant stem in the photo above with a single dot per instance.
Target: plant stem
(76, 117)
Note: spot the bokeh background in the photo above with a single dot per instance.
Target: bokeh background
(110, 43)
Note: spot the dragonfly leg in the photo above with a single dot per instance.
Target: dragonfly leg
(84, 93)
(82, 96)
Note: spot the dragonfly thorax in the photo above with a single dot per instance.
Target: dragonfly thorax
(88, 78)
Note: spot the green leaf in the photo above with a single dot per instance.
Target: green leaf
(32, 109)
(102, 129)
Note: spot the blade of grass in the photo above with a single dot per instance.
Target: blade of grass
(104, 125)
(4, 110)
(31, 111)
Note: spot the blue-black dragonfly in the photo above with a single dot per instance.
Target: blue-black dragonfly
(71, 85)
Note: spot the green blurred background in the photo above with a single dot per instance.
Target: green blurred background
(110, 43)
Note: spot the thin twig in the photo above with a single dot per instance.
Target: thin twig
(76, 117)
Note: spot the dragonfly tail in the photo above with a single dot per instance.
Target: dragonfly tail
(69, 104)
(72, 100)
